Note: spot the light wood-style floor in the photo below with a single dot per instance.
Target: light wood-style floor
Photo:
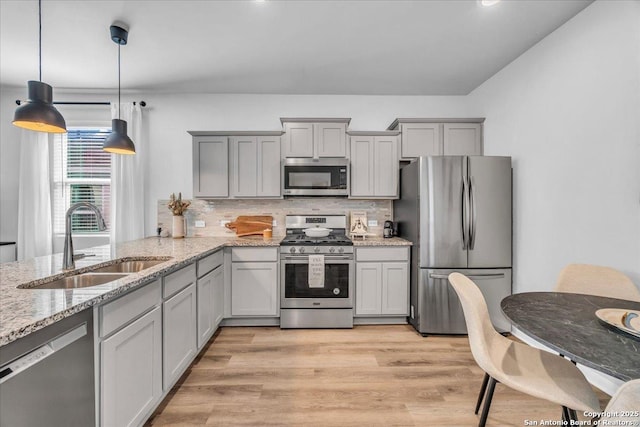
(365, 376)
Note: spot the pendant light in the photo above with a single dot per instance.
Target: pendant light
(118, 142)
(38, 113)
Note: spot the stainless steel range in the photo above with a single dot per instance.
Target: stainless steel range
(317, 273)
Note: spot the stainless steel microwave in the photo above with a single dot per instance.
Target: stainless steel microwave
(316, 177)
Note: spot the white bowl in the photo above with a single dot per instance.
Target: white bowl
(317, 232)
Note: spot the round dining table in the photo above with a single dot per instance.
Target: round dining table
(567, 323)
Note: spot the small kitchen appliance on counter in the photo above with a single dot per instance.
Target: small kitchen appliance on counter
(317, 273)
(388, 231)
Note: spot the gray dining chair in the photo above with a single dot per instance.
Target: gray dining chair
(517, 365)
(596, 280)
(624, 406)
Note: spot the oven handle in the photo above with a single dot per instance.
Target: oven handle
(326, 257)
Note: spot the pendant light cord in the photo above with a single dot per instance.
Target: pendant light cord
(40, 39)
(118, 81)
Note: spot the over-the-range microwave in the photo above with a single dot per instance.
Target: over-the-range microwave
(316, 177)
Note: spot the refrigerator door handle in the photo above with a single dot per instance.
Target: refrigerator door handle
(472, 208)
(464, 221)
(471, 276)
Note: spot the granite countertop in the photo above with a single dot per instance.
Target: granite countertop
(380, 241)
(23, 311)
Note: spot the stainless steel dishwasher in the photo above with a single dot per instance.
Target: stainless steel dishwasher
(47, 377)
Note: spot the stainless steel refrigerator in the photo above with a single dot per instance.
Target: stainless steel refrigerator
(457, 212)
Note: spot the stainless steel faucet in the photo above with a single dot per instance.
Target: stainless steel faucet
(68, 258)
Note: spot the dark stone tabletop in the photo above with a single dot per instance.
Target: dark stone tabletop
(567, 323)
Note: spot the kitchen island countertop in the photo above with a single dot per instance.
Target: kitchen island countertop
(23, 311)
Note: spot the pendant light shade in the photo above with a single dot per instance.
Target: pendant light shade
(118, 142)
(38, 113)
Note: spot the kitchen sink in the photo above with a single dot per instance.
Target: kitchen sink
(78, 281)
(121, 268)
(129, 266)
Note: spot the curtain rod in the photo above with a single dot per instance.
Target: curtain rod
(142, 103)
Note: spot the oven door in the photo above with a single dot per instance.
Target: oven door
(315, 180)
(338, 283)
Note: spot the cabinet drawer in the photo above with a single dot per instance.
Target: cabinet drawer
(254, 254)
(209, 262)
(179, 280)
(382, 254)
(123, 310)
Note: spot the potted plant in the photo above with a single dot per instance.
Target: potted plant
(178, 207)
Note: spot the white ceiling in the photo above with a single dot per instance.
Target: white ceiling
(391, 47)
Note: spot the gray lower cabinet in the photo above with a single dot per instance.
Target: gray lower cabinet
(210, 166)
(374, 165)
(179, 323)
(179, 334)
(210, 304)
(254, 282)
(382, 281)
(130, 356)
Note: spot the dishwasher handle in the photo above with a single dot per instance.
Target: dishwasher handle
(12, 369)
(470, 276)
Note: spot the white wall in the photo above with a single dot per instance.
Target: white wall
(568, 112)
(9, 164)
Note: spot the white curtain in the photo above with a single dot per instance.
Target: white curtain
(127, 179)
(35, 231)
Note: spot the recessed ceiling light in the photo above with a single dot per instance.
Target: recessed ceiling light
(489, 2)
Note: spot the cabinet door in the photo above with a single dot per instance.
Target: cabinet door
(254, 289)
(298, 139)
(179, 343)
(218, 297)
(205, 294)
(362, 165)
(386, 166)
(244, 164)
(395, 288)
(269, 170)
(210, 166)
(462, 139)
(131, 371)
(330, 140)
(368, 288)
(420, 139)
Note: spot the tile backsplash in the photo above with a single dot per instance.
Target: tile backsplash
(215, 212)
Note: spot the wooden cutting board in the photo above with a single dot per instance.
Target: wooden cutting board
(246, 225)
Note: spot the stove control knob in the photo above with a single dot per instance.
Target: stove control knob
(301, 250)
(341, 250)
(316, 249)
(292, 250)
(332, 250)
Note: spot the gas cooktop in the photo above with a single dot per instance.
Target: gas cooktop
(302, 240)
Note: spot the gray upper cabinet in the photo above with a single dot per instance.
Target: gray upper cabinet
(210, 166)
(462, 139)
(236, 164)
(420, 139)
(314, 138)
(436, 137)
(374, 165)
(255, 166)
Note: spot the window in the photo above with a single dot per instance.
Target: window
(81, 173)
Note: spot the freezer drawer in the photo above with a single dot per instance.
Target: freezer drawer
(438, 307)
